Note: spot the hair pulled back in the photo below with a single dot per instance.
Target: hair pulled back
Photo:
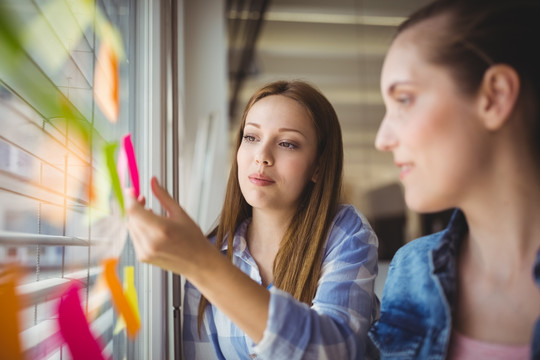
(480, 33)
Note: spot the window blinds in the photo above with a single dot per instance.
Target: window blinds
(49, 168)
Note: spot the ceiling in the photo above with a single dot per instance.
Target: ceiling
(337, 45)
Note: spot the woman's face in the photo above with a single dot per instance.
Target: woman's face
(432, 129)
(277, 156)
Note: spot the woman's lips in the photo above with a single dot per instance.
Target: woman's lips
(260, 180)
(404, 168)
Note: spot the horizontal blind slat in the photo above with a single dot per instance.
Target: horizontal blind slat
(29, 189)
(102, 324)
(40, 339)
(40, 291)
(24, 239)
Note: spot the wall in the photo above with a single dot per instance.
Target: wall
(205, 144)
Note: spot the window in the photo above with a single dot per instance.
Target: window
(58, 219)
(56, 209)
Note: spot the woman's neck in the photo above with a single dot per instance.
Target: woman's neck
(504, 226)
(264, 236)
(267, 228)
(496, 260)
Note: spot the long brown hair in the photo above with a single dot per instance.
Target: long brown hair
(297, 264)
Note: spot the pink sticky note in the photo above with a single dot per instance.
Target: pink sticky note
(122, 166)
(74, 327)
(132, 164)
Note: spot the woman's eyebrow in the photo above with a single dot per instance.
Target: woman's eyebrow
(258, 126)
(392, 88)
(291, 130)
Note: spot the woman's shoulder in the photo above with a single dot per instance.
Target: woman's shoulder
(418, 249)
(349, 214)
(349, 223)
(413, 305)
(410, 271)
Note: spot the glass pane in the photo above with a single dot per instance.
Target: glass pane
(58, 216)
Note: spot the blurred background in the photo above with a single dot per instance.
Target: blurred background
(338, 46)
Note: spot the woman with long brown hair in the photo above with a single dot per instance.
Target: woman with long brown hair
(288, 272)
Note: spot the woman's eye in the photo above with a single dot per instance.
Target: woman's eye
(249, 138)
(404, 100)
(288, 145)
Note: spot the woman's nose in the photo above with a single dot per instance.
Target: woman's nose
(264, 158)
(265, 162)
(386, 139)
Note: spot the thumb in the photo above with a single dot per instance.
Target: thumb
(167, 202)
(129, 198)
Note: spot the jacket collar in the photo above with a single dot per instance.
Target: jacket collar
(444, 256)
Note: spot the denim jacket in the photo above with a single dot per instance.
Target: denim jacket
(419, 297)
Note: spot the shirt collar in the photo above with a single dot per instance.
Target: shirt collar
(239, 241)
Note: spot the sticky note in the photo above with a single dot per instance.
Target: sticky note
(132, 163)
(106, 81)
(54, 13)
(109, 150)
(131, 294)
(10, 344)
(74, 327)
(120, 300)
(130, 290)
(122, 166)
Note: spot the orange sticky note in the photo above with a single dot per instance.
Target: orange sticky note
(120, 300)
(131, 294)
(10, 344)
(106, 81)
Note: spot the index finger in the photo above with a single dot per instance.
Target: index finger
(167, 202)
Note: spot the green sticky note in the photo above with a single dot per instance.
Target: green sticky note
(110, 149)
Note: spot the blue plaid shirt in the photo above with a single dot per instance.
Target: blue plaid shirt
(334, 327)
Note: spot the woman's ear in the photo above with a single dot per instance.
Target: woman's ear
(315, 176)
(498, 95)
